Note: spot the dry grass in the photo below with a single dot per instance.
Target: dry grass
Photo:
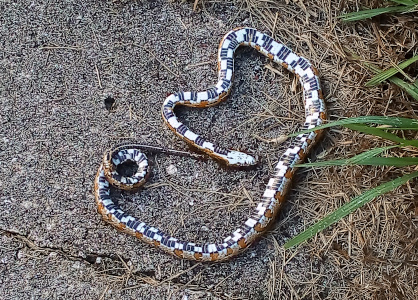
(373, 252)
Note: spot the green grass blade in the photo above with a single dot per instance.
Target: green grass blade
(369, 13)
(375, 131)
(372, 161)
(399, 128)
(390, 161)
(381, 120)
(348, 208)
(368, 154)
(349, 161)
(405, 2)
(380, 132)
(382, 76)
(411, 89)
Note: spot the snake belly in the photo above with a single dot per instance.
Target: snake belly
(274, 194)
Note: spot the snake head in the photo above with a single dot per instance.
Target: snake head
(240, 159)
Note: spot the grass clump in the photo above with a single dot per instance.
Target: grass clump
(370, 158)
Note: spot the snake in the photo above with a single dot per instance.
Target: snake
(278, 185)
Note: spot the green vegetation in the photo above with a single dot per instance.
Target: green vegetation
(363, 124)
(404, 6)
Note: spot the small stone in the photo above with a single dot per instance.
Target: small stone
(53, 254)
(171, 170)
(76, 265)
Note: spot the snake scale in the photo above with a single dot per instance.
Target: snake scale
(267, 208)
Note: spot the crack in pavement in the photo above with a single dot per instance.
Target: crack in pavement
(30, 244)
(148, 277)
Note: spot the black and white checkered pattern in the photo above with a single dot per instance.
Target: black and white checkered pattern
(278, 184)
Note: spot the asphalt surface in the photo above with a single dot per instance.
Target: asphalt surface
(58, 64)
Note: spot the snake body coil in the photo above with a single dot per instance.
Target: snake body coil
(274, 194)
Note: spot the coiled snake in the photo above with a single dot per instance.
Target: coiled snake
(266, 210)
